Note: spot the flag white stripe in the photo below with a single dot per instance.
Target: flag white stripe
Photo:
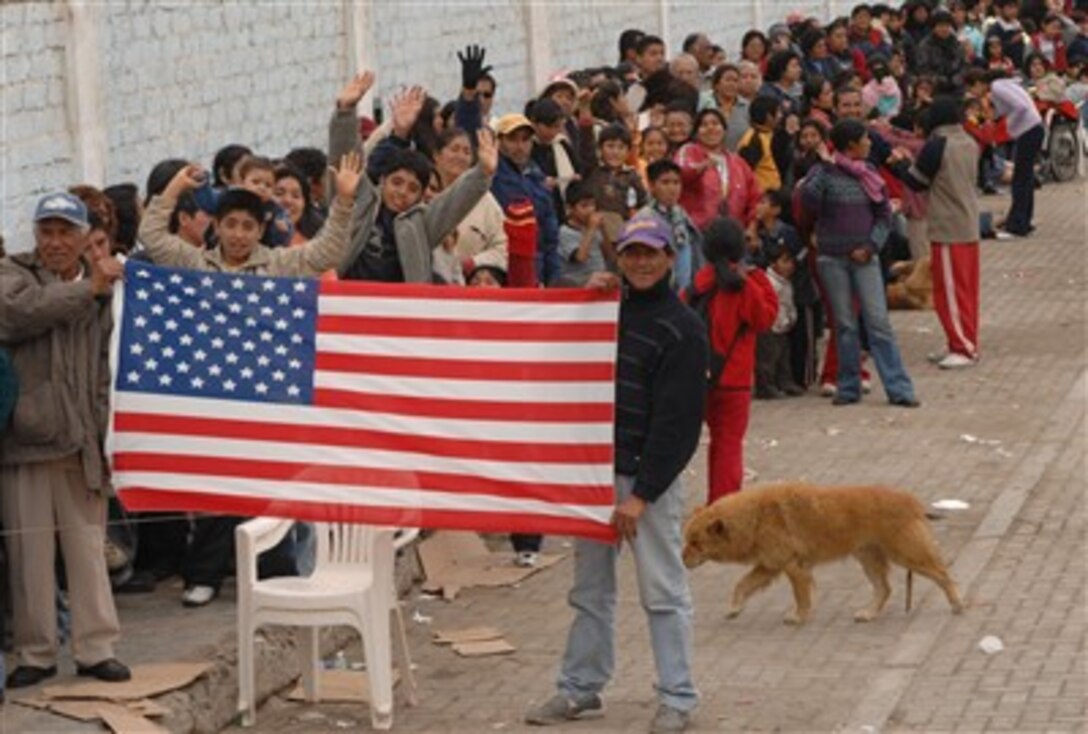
(500, 351)
(361, 495)
(306, 415)
(197, 447)
(485, 391)
(458, 310)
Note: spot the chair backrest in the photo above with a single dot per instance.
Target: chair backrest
(346, 543)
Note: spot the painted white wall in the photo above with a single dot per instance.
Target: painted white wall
(181, 80)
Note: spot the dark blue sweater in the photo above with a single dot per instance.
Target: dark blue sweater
(660, 388)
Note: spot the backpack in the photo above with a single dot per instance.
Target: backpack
(700, 304)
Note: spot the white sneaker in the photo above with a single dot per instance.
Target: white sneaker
(866, 387)
(1006, 236)
(526, 559)
(198, 596)
(936, 357)
(828, 390)
(955, 361)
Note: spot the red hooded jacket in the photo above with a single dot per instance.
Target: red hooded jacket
(755, 305)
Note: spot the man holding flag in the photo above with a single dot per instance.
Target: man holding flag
(660, 388)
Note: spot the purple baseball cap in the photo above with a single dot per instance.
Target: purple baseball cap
(645, 229)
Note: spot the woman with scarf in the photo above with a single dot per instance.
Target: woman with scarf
(849, 201)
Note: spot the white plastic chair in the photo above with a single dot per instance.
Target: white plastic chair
(352, 584)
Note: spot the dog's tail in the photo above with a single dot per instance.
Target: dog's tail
(910, 588)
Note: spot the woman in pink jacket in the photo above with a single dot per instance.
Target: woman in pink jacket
(715, 181)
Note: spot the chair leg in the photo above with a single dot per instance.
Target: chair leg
(247, 698)
(308, 646)
(405, 655)
(379, 663)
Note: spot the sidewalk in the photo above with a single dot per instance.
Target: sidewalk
(1018, 556)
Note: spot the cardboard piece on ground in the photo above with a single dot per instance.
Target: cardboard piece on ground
(346, 686)
(483, 647)
(472, 634)
(90, 710)
(453, 560)
(148, 680)
(147, 707)
(122, 721)
(78, 710)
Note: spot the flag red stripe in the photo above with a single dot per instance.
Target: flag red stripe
(492, 410)
(480, 450)
(413, 291)
(150, 500)
(465, 369)
(394, 479)
(409, 328)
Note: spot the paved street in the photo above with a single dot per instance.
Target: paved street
(1008, 437)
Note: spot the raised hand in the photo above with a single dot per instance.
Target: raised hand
(472, 66)
(486, 151)
(354, 90)
(347, 177)
(406, 108)
(190, 177)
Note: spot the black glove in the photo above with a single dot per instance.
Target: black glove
(472, 66)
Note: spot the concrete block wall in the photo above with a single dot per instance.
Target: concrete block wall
(182, 79)
(36, 149)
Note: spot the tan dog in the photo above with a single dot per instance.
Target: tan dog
(789, 528)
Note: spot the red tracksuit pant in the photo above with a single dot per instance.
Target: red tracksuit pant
(727, 417)
(955, 294)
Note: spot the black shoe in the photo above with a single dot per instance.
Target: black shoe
(110, 670)
(768, 393)
(840, 400)
(141, 582)
(906, 402)
(28, 675)
(793, 390)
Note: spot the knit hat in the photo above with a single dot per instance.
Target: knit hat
(499, 274)
(723, 240)
(941, 16)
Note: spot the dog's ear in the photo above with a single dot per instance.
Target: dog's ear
(718, 529)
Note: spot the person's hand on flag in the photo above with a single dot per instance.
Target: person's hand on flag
(104, 272)
(603, 281)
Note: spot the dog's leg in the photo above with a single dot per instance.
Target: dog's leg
(758, 578)
(801, 580)
(922, 556)
(875, 564)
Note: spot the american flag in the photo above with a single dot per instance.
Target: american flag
(421, 406)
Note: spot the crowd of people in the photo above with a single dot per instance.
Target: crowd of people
(775, 188)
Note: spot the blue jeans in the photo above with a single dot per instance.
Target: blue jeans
(548, 265)
(663, 589)
(844, 280)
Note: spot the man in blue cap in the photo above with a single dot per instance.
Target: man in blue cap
(55, 320)
(660, 390)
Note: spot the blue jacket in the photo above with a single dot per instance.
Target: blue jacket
(511, 185)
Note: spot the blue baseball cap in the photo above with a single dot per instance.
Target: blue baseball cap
(62, 205)
(645, 229)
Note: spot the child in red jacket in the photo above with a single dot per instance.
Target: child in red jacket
(742, 304)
